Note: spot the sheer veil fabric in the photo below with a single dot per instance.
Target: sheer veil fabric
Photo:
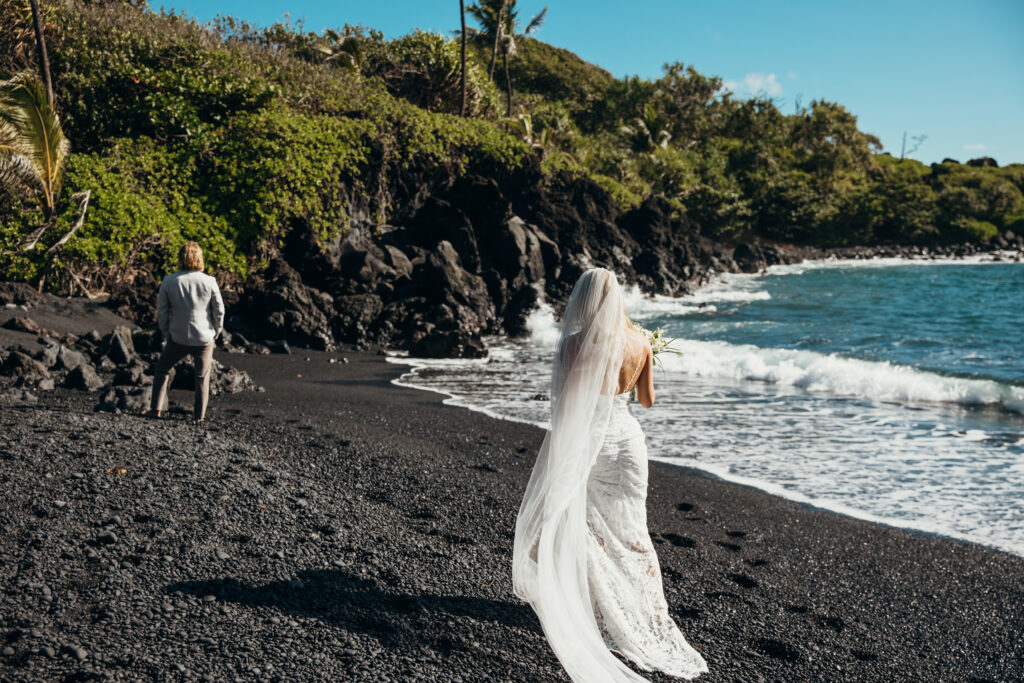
(553, 530)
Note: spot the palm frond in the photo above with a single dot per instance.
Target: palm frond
(32, 132)
(535, 23)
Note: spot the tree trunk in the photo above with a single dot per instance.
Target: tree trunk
(497, 39)
(508, 84)
(44, 61)
(462, 18)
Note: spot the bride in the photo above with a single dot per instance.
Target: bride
(583, 558)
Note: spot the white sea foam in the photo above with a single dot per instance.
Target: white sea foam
(837, 375)
(888, 262)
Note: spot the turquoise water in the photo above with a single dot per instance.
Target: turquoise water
(887, 390)
(962, 320)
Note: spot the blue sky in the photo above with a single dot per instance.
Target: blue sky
(951, 70)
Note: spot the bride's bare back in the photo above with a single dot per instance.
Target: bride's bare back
(637, 368)
(637, 356)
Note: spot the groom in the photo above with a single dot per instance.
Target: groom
(190, 312)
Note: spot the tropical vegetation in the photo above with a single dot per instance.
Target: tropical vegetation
(236, 135)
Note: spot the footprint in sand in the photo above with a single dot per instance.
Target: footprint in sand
(757, 562)
(744, 581)
(729, 546)
(686, 507)
(777, 649)
(736, 534)
(834, 623)
(679, 541)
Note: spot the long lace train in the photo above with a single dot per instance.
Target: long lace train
(622, 567)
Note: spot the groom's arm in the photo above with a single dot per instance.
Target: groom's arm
(163, 311)
(217, 304)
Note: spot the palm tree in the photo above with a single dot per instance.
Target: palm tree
(648, 132)
(33, 149)
(497, 19)
(462, 85)
(345, 51)
(44, 61)
(488, 14)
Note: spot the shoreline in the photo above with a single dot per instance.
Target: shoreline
(717, 473)
(412, 366)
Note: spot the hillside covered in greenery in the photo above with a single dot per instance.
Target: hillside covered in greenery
(235, 135)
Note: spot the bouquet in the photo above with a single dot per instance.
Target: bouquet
(660, 343)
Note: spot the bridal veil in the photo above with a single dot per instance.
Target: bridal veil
(549, 565)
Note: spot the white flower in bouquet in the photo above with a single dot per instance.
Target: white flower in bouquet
(659, 341)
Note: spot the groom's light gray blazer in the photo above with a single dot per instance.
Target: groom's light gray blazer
(189, 308)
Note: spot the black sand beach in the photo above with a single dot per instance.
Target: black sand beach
(339, 527)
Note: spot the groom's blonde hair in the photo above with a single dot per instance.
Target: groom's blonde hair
(190, 256)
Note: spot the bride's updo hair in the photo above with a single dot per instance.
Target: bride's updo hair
(589, 296)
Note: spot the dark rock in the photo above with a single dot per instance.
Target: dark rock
(134, 374)
(357, 315)
(749, 258)
(107, 538)
(280, 346)
(83, 377)
(48, 355)
(22, 366)
(449, 345)
(69, 359)
(233, 380)
(23, 324)
(118, 346)
(19, 294)
(279, 305)
(519, 307)
(147, 341)
(126, 399)
(460, 298)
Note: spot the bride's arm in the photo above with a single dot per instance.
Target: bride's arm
(645, 383)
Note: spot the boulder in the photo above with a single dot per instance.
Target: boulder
(519, 307)
(365, 264)
(48, 355)
(279, 346)
(749, 258)
(83, 377)
(223, 379)
(449, 345)
(357, 316)
(439, 221)
(132, 375)
(69, 359)
(19, 294)
(119, 347)
(463, 297)
(24, 368)
(22, 323)
(126, 399)
(280, 306)
(147, 341)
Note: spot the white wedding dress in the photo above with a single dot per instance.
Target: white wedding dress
(583, 557)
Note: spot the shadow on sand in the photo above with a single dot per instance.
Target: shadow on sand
(358, 604)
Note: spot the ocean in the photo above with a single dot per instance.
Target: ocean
(889, 390)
